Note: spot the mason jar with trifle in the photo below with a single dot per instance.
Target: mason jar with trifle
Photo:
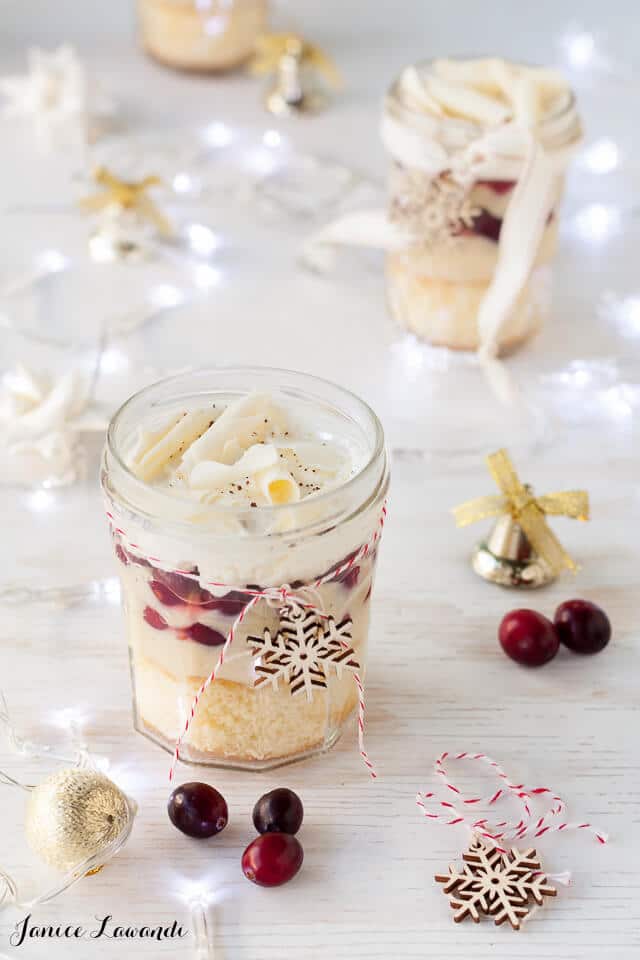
(479, 150)
(246, 509)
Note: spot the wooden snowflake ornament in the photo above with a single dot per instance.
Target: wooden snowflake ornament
(303, 650)
(502, 885)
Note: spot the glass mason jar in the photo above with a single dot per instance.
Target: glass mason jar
(205, 35)
(437, 281)
(186, 579)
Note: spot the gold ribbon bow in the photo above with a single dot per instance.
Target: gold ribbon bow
(130, 195)
(271, 47)
(529, 511)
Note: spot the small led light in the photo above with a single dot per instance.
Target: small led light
(51, 261)
(165, 296)
(262, 161)
(111, 590)
(206, 277)
(580, 48)
(271, 138)
(619, 402)
(597, 222)
(202, 240)
(40, 500)
(218, 135)
(183, 183)
(602, 156)
(113, 360)
(69, 718)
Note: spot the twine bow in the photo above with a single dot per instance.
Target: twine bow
(129, 195)
(271, 47)
(529, 511)
(457, 808)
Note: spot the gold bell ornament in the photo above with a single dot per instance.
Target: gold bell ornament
(521, 550)
(129, 222)
(295, 63)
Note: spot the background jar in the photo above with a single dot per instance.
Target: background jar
(184, 583)
(203, 35)
(435, 283)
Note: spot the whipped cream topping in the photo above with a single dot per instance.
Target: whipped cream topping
(41, 418)
(247, 452)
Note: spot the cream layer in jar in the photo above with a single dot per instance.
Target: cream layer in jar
(479, 150)
(203, 35)
(247, 492)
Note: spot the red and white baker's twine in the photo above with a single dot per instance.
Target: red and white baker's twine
(283, 594)
(455, 812)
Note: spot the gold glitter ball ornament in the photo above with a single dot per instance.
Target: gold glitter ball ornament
(73, 815)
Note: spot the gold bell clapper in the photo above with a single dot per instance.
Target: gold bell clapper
(507, 558)
(295, 64)
(521, 549)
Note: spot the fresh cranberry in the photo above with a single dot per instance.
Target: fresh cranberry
(121, 554)
(528, 637)
(198, 810)
(582, 626)
(154, 619)
(279, 811)
(272, 859)
(201, 633)
(164, 595)
(498, 186)
(486, 225)
(229, 605)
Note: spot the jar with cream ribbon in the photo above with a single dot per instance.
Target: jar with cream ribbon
(479, 151)
(201, 35)
(245, 509)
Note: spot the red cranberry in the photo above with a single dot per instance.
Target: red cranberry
(201, 633)
(164, 595)
(154, 619)
(582, 626)
(229, 605)
(528, 637)
(486, 225)
(272, 859)
(279, 811)
(121, 554)
(498, 186)
(198, 810)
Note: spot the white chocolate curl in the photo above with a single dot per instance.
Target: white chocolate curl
(245, 453)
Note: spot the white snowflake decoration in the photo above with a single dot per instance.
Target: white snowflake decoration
(492, 883)
(54, 94)
(434, 209)
(302, 651)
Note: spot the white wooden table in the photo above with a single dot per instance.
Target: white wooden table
(437, 679)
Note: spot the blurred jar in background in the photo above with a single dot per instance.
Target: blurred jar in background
(476, 144)
(205, 35)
